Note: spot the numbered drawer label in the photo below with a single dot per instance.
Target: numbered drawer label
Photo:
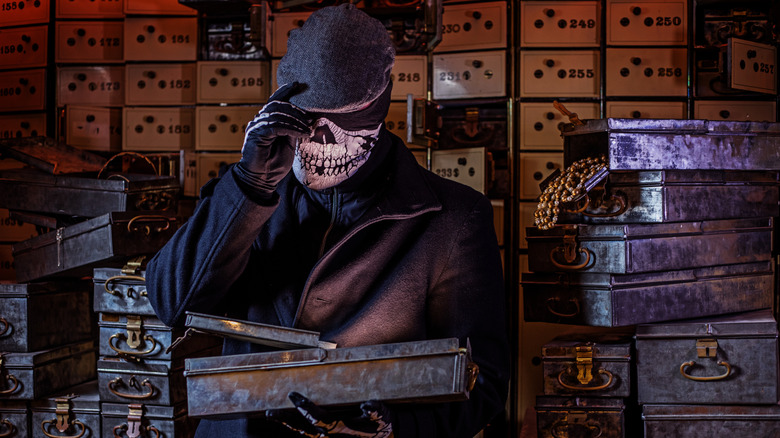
(23, 90)
(473, 26)
(281, 24)
(541, 123)
(534, 168)
(560, 24)
(659, 22)
(753, 66)
(559, 73)
(90, 41)
(158, 129)
(396, 120)
(646, 110)
(20, 12)
(409, 76)
(647, 72)
(221, 128)
(157, 7)
(23, 47)
(91, 85)
(24, 125)
(469, 75)
(94, 128)
(90, 9)
(233, 82)
(161, 39)
(160, 84)
(467, 166)
(209, 164)
(735, 111)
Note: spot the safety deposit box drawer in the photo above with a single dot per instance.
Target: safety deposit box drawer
(654, 23)
(28, 312)
(467, 166)
(646, 110)
(233, 82)
(154, 382)
(161, 39)
(596, 365)
(158, 129)
(752, 66)
(222, 127)
(90, 41)
(160, 84)
(540, 123)
(281, 24)
(647, 72)
(469, 75)
(89, 9)
(409, 76)
(86, 85)
(14, 230)
(735, 110)
(149, 420)
(635, 248)
(559, 73)
(725, 360)
(473, 26)
(21, 12)
(93, 128)
(535, 168)
(157, 7)
(430, 371)
(15, 419)
(666, 420)
(74, 411)
(209, 164)
(29, 376)
(23, 90)
(618, 300)
(396, 120)
(558, 416)
(644, 144)
(23, 47)
(107, 240)
(560, 24)
(23, 125)
(117, 291)
(84, 195)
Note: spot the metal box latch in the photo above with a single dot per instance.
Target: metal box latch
(63, 420)
(584, 361)
(706, 348)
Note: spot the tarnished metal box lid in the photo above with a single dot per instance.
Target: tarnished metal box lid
(656, 144)
(759, 323)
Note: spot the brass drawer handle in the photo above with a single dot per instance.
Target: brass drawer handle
(76, 422)
(120, 336)
(123, 427)
(15, 381)
(685, 374)
(119, 382)
(8, 425)
(563, 315)
(6, 326)
(118, 278)
(587, 388)
(147, 229)
(560, 249)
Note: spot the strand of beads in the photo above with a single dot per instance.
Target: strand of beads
(566, 187)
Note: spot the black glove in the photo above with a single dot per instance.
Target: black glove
(269, 142)
(371, 421)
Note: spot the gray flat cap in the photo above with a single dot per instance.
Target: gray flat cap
(343, 55)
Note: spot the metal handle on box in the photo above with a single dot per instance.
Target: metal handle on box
(685, 374)
(118, 381)
(587, 388)
(149, 218)
(564, 315)
(148, 351)
(15, 381)
(10, 426)
(560, 249)
(6, 326)
(619, 199)
(123, 277)
(123, 427)
(76, 422)
(594, 429)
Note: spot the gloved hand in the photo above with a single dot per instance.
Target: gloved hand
(313, 421)
(269, 142)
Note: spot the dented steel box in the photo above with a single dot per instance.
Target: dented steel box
(28, 376)
(636, 248)
(711, 361)
(647, 144)
(558, 416)
(106, 240)
(28, 312)
(120, 290)
(425, 371)
(613, 300)
(74, 412)
(697, 421)
(14, 419)
(592, 365)
(659, 196)
(139, 419)
(155, 382)
(84, 195)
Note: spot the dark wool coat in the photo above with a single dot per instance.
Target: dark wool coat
(421, 262)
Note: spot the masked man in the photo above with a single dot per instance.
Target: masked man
(329, 224)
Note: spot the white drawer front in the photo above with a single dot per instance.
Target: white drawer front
(83, 85)
(208, 165)
(281, 24)
(473, 26)
(233, 82)
(22, 125)
(559, 73)
(94, 128)
(158, 129)
(467, 166)
(753, 66)
(23, 90)
(540, 123)
(21, 12)
(23, 47)
(647, 72)
(160, 84)
(534, 168)
(646, 110)
(409, 76)
(90, 9)
(560, 24)
(396, 119)
(469, 75)
(90, 41)
(161, 39)
(735, 111)
(157, 7)
(222, 128)
(656, 22)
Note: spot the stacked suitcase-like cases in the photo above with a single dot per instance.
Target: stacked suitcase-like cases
(48, 335)
(677, 239)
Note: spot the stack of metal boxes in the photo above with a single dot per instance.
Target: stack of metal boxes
(47, 332)
(678, 224)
